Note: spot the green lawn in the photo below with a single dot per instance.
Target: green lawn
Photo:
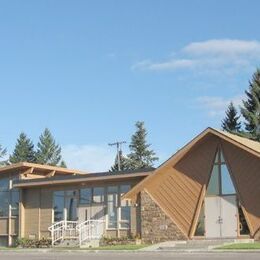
(241, 246)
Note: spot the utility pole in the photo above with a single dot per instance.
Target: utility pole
(119, 152)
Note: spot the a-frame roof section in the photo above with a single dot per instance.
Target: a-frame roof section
(250, 146)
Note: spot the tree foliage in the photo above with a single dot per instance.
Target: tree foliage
(23, 151)
(124, 163)
(48, 152)
(231, 122)
(251, 107)
(3, 152)
(141, 155)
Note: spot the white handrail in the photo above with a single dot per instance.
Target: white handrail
(60, 230)
(90, 229)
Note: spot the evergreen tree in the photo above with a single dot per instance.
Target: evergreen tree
(140, 155)
(3, 152)
(124, 163)
(231, 122)
(63, 164)
(48, 152)
(23, 151)
(251, 107)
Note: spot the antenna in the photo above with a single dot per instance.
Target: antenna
(119, 152)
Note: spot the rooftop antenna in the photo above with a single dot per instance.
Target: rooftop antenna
(119, 152)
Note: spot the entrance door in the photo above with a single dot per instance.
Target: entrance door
(221, 217)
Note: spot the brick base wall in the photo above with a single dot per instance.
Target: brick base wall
(155, 225)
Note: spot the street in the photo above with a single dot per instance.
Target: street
(6, 255)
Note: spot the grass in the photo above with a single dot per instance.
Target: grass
(241, 246)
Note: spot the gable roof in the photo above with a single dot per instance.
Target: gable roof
(250, 146)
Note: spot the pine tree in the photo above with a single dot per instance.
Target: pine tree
(63, 164)
(140, 155)
(124, 163)
(23, 151)
(231, 122)
(48, 152)
(3, 152)
(251, 107)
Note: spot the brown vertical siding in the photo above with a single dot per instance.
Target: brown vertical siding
(245, 169)
(3, 226)
(31, 212)
(179, 189)
(45, 212)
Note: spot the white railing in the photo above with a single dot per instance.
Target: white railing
(63, 229)
(90, 230)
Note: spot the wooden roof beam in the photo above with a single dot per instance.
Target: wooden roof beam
(26, 172)
(51, 173)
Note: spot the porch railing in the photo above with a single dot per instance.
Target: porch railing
(90, 230)
(63, 229)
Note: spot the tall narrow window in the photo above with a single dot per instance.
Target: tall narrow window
(125, 208)
(85, 196)
(58, 207)
(112, 203)
(220, 182)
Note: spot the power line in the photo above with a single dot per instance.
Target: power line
(118, 145)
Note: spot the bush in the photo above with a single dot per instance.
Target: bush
(112, 241)
(33, 243)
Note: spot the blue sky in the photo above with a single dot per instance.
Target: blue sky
(89, 69)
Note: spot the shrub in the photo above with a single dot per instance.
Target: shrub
(32, 243)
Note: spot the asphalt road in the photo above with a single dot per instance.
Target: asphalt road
(127, 256)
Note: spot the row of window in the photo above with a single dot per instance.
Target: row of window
(67, 203)
(8, 196)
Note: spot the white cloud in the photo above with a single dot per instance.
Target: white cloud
(216, 106)
(224, 47)
(224, 54)
(89, 158)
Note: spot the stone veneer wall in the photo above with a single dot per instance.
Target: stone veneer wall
(156, 226)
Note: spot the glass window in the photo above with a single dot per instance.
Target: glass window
(4, 203)
(4, 184)
(125, 208)
(71, 208)
(58, 206)
(98, 195)
(112, 202)
(15, 198)
(85, 196)
(200, 230)
(227, 184)
(213, 187)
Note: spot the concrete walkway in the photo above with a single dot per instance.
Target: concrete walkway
(193, 245)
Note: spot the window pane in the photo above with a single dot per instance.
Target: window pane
(85, 196)
(58, 205)
(125, 217)
(98, 195)
(217, 157)
(227, 184)
(4, 184)
(213, 187)
(4, 203)
(124, 189)
(15, 198)
(222, 157)
(200, 230)
(112, 206)
(71, 206)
